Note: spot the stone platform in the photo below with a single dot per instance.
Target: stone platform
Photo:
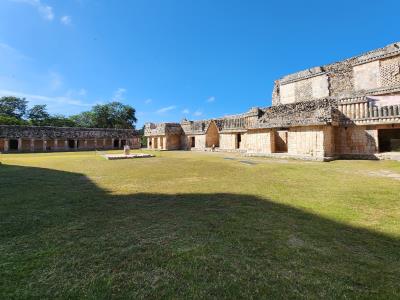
(129, 156)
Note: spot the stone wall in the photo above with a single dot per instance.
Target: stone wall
(356, 140)
(307, 141)
(227, 141)
(212, 136)
(356, 76)
(38, 139)
(258, 141)
(319, 112)
(173, 142)
(47, 132)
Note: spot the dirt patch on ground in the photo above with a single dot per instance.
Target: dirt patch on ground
(385, 173)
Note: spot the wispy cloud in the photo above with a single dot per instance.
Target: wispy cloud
(185, 111)
(148, 101)
(45, 99)
(119, 94)
(7, 50)
(73, 93)
(45, 11)
(82, 92)
(66, 20)
(56, 80)
(211, 99)
(165, 109)
(197, 113)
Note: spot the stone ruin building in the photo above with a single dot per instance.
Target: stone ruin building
(348, 109)
(15, 138)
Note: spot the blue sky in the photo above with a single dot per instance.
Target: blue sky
(172, 59)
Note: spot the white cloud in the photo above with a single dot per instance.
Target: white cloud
(119, 94)
(197, 113)
(66, 20)
(211, 99)
(165, 109)
(45, 99)
(148, 101)
(10, 52)
(45, 11)
(82, 92)
(55, 80)
(185, 111)
(73, 93)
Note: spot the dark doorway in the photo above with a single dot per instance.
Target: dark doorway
(281, 141)
(389, 140)
(123, 143)
(238, 140)
(71, 144)
(13, 144)
(193, 142)
(116, 143)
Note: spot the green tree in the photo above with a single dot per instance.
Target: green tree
(114, 115)
(84, 119)
(38, 115)
(60, 121)
(13, 106)
(110, 115)
(7, 120)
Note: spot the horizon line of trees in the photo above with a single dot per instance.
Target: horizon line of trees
(14, 111)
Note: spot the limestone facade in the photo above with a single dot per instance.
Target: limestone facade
(348, 109)
(42, 139)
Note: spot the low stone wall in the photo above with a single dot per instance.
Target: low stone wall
(41, 139)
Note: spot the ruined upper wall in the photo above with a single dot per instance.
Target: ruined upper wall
(376, 72)
(307, 113)
(161, 129)
(48, 132)
(230, 123)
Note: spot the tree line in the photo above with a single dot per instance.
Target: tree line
(14, 111)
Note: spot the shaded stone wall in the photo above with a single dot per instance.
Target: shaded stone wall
(356, 140)
(38, 139)
(212, 135)
(173, 142)
(13, 131)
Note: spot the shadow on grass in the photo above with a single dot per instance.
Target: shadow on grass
(62, 236)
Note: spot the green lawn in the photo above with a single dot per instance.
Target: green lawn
(197, 225)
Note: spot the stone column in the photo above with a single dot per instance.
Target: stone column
(95, 143)
(112, 143)
(75, 144)
(32, 145)
(19, 145)
(85, 144)
(6, 145)
(164, 143)
(55, 144)
(66, 145)
(104, 143)
(44, 145)
(119, 143)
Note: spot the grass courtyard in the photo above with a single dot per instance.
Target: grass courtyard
(197, 225)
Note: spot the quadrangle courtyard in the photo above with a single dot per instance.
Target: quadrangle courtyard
(197, 225)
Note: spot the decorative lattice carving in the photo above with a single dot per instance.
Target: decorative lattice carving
(390, 71)
(304, 90)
